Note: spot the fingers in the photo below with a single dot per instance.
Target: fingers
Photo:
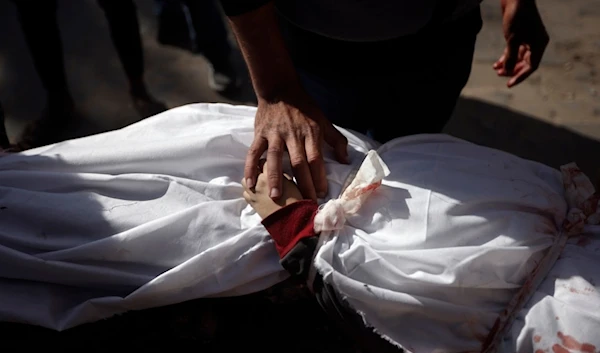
(302, 171)
(316, 166)
(247, 191)
(522, 70)
(500, 65)
(520, 77)
(262, 164)
(274, 168)
(537, 50)
(512, 55)
(529, 59)
(258, 147)
(339, 142)
(247, 197)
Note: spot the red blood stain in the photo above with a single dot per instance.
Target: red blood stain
(364, 190)
(537, 338)
(572, 343)
(569, 341)
(573, 290)
(557, 348)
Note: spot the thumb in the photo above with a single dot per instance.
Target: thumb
(339, 142)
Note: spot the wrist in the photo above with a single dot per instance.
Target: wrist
(290, 224)
(283, 90)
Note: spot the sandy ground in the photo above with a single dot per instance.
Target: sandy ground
(554, 118)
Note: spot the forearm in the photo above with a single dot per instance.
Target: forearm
(260, 40)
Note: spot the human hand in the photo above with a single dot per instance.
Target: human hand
(298, 125)
(258, 196)
(526, 40)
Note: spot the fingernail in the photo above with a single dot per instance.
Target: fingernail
(250, 183)
(274, 193)
(321, 195)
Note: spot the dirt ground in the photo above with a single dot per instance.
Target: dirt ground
(554, 118)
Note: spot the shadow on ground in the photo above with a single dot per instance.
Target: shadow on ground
(504, 129)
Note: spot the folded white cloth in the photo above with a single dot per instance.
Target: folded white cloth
(152, 214)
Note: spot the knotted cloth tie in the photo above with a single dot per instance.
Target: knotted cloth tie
(331, 216)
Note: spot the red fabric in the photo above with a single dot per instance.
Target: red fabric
(290, 224)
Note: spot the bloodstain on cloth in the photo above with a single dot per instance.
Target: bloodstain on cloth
(569, 344)
(557, 348)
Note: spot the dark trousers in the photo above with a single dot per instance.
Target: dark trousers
(209, 30)
(39, 25)
(392, 88)
(125, 33)
(40, 28)
(4, 143)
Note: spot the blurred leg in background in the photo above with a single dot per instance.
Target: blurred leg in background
(38, 21)
(199, 26)
(4, 143)
(174, 25)
(40, 28)
(125, 33)
(212, 42)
